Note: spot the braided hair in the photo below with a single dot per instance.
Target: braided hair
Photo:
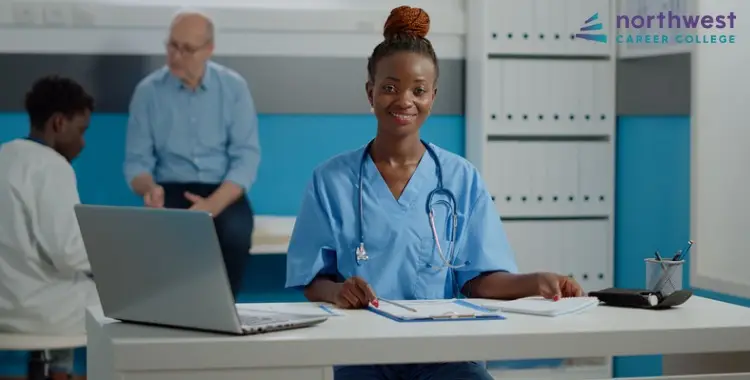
(405, 30)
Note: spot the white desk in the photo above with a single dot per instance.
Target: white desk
(701, 326)
(271, 234)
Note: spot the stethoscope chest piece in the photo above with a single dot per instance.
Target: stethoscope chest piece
(361, 254)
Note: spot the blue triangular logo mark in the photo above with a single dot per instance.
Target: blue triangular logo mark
(588, 26)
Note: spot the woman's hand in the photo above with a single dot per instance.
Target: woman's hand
(555, 286)
(355, 293)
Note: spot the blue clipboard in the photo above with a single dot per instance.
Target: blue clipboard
(329, 310)
(448, 318)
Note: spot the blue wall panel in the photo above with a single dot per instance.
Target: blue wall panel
(652, 206)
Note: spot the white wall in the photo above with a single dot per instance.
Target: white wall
(330, 28)
(720, 219)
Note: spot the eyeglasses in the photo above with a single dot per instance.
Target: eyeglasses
(174, 47)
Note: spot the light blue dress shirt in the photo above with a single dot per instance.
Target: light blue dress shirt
(403, 263)
(206, 135)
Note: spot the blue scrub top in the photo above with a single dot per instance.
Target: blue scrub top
(403, 257)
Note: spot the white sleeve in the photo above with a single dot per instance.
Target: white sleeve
(59, 235)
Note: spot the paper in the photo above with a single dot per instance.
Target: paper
(544, 307)
(431, 309)
(298, 308)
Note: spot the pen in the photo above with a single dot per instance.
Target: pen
(658, 257)
(665, 272)
(399, 305)
(677, 256)
(680, 255)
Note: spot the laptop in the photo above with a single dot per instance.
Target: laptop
(164, 267)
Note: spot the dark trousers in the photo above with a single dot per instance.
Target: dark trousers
(234, 226)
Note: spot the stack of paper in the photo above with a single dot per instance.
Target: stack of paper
(544, 307)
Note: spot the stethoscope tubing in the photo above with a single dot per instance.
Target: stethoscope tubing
(361, 252)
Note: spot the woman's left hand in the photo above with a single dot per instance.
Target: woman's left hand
(555, 286)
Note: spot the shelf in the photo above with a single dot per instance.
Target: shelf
(563, 373)
(540, 128)
(570, 369)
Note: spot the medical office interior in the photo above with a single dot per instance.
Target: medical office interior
(586, 146)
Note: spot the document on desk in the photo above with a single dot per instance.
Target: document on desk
(312, 309)
(433, 310)
(543, 307)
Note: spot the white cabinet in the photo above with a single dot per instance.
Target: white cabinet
(543, 27)
(581, 249)
(550, 97)
(540, 127)
(550, 178)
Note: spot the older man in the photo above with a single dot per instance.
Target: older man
(192, 139)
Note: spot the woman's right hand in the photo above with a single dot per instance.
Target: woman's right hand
(355, 293)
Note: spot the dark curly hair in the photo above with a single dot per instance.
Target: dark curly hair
(405, 30)
(55, 94)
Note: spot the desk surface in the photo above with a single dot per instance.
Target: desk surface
(700, 325)
(271, 234)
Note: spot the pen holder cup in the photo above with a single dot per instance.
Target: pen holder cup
(664, 276)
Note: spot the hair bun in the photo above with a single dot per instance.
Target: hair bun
(407, 20)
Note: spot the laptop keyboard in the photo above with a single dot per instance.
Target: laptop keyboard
(254, 323)
(252, 320)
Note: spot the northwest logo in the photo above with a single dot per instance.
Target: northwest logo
(589, 30)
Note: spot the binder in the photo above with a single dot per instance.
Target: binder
(512, 83)
(544, 19)
(435, 311)
(604, 91)
(575, 15)
(570, 178)
(586, 88)
(495, 87)
(527, 96)
(556, 42)
(537, 87)
(544, 307)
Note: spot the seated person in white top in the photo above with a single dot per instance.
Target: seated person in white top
(44, 286)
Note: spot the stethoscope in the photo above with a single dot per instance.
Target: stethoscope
(361, 252)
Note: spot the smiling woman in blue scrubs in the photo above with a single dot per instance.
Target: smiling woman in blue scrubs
(365, 228)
